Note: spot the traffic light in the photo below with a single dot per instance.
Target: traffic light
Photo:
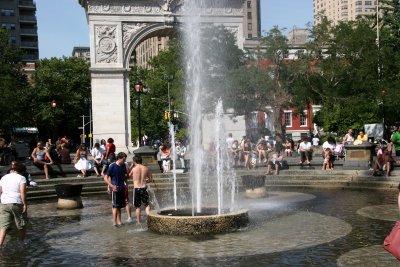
(166, 115)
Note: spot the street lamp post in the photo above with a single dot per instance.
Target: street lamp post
(138, 85)
(53, 103)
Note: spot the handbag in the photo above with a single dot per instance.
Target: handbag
(392, 241)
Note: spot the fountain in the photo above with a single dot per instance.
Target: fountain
(212, 187)
(69, 196)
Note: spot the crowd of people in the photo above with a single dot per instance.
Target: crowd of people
(247, 154)
(116, 171)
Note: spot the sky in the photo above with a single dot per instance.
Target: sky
(62, 24)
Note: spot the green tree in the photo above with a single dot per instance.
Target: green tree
(344, 76)
(267, 85)
(67, 81)
(167, 70)
(15, 91)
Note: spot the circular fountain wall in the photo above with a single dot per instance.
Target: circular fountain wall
(181, 222)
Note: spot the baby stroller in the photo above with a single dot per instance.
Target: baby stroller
(339, 152)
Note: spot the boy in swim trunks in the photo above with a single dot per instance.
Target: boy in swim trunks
(141, 176)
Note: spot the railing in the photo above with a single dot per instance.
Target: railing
(28, 18)
(30, 57)
(29, 44)
(27, 4)
(29, 31)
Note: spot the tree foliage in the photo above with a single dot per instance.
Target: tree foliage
(167, 70)
(15, 91)
(353, 80)
(67, 81)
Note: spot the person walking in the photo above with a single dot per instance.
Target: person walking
(141, 176)
(13, 207)
(116, 178)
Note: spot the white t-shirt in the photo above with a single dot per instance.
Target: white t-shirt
(229, 141)
(315, 141)
(305, 146)
(10, 188)
(326, 145)
(96, 153)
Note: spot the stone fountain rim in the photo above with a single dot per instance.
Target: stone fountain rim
(154, 213)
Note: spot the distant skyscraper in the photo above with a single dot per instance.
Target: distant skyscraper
(19, 18)
(343, 10)
(252, 19)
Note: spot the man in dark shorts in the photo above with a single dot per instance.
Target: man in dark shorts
(116, 180)
(141, 176)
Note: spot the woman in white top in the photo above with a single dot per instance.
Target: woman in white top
(306, 151)
(97, 156)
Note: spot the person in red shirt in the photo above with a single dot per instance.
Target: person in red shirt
(109, 155)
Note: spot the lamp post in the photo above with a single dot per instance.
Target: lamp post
(138, 85)
(53, 103)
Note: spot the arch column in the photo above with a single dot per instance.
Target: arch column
(111, 106)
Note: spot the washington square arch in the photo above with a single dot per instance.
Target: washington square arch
(116, 27)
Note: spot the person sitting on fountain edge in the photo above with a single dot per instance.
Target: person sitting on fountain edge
(141, 176)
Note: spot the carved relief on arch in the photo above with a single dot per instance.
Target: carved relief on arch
(129, 31)
(106, 45)
(124, 7)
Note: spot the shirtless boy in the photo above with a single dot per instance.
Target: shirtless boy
(141, 176)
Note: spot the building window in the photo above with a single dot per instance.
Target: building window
(250, 36)
(303, 118)
(250, 26)
(7, 12)
(368, 3)
(248, 4)
(13, 40)
(8, 26)
(249, 15)
(288, 118)
(359, 3)
(359, 9)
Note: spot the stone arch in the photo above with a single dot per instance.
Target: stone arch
(139, 36)
(116, 28)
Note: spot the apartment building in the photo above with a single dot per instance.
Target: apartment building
(81, 52)
(148, 49)
(19, 18)
(343, 10)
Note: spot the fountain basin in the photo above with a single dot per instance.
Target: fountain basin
(254, 186)
(180, 222)
(69, 196)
